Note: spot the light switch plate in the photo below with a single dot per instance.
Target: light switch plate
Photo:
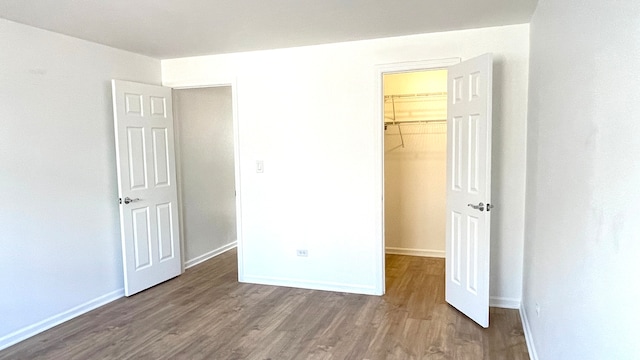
(259, 166)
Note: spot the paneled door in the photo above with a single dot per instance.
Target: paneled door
(146, 184)
(469, 187)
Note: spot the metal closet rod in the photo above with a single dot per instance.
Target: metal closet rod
(393, 107)
(400, 96)
(396, 122)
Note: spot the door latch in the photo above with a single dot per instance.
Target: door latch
(480, 206)
(128, 200)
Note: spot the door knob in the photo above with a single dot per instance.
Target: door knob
(130, 200)
(480, 206)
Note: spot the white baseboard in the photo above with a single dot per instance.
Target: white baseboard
(46, 324)
(505, 303)
(533, 355)
(415, 252)
(313, 285)
(213, 253)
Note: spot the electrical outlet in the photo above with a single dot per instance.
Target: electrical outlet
(538, 309)
(302, 252)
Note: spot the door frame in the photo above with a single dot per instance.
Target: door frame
(231, 82)
(380, 71)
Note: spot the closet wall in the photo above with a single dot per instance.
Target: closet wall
(415, 162)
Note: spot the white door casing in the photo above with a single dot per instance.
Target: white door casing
(145, 159)
(469, 185)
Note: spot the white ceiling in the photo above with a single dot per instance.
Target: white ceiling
(177, 28)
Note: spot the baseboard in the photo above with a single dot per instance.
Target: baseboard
(528, 336)
(211, 254)
(34, 329)
(415, 252)
(503, 302)
(312, 285)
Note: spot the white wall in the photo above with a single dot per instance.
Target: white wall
(59, 228)
(415, 174)
(415, 190)
(204, 132)
(582, 213)
(309, 113)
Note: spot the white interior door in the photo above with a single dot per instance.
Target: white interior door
(143, 119)
(469, 187)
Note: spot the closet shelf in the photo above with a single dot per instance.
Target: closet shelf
(400, 122)
(413, 113)
(416, 96)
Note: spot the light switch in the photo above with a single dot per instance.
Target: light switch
(259, 166)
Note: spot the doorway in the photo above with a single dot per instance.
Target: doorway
(206, 171)
(415, 154)
(468, 177)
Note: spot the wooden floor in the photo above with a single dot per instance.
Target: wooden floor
(207, 314)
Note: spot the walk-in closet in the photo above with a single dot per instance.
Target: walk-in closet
(415, 135)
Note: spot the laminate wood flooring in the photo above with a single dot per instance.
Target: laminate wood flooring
(207, 314)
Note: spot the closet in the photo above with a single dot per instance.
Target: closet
(415, 112)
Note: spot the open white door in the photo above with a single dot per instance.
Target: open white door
(469, 187)
(143, 119)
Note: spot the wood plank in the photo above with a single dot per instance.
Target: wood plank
(206, 314)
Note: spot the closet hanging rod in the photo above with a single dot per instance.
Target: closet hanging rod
(401, 96)
(395, 122)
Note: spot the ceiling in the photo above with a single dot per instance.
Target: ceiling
(177, 28)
